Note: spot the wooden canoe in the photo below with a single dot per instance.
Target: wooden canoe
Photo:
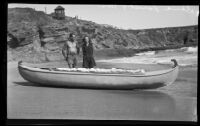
(149, 80)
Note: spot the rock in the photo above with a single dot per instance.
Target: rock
(49, 40)
(12, 41)
(36, 43)
(24, 23)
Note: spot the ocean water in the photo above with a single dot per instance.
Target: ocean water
(186, 56)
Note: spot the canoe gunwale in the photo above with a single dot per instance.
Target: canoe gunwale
(147, 74)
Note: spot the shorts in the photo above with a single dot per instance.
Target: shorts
(72, 60)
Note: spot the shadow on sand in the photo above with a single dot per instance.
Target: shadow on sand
(128, 87)
(137, 104)
(137, 93)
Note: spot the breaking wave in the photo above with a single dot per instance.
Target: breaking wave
(146, 53)
(186, 56)
(192, 49)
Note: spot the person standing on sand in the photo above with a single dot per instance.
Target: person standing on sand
(87, 49)
(70, 51)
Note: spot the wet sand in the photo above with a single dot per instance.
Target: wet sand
(177, 102)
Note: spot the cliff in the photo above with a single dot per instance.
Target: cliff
(23, 38)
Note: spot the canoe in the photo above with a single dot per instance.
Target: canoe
(52, 77)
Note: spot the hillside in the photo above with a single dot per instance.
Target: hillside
(24, 43)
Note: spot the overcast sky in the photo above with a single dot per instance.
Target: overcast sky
(127, 16)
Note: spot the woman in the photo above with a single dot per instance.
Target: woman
(87, 48)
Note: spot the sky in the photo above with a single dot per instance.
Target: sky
(126, 16)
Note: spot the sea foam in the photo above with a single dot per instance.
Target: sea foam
(186, 57)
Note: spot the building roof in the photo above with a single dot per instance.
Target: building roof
(59, 8)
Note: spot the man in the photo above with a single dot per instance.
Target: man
(70, 51)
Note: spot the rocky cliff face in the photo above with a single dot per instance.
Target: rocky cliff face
(24, 23)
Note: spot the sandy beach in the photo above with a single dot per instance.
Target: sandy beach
(177, 102)
(131, 43)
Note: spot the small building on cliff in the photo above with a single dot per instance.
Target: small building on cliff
(59, 13)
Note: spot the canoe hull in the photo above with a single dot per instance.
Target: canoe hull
(110, 81)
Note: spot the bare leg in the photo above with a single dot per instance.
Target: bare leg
(70, 65)
(74, 62)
